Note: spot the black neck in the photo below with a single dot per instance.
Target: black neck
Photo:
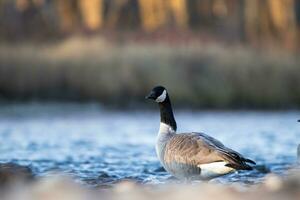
(166, 113)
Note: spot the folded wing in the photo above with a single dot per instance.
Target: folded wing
(198, 148)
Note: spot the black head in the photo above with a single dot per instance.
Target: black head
(299, 120)
(158, 93)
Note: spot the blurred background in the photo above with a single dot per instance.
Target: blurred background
(74, 74)
(219, 54)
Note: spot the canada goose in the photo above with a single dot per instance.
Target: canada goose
(191, 156)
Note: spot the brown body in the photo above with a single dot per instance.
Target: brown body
(198, 156)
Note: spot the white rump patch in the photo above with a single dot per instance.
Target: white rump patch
(162, 97)
(214, 169)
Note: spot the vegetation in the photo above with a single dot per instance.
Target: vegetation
(256, 22)
(198, 74)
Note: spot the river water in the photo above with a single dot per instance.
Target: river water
(101, 147)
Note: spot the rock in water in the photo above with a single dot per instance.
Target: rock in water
(10, 173)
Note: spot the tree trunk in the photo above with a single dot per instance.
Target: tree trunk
(153, 14)
(178, 8)
(67, 14)
(92, 13)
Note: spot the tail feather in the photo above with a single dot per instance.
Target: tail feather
(237, 161)
(234, 159)
(239, 166)
(249, 161)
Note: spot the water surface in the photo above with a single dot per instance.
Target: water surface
(100, 147)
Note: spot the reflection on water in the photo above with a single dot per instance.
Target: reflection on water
(99, 147)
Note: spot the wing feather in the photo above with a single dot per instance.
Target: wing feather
(199, 148)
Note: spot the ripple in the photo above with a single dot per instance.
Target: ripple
(101, 147)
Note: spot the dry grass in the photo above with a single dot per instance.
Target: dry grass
(196, 74)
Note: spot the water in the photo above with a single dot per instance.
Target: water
(99, 147)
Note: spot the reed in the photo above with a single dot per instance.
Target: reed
(196, 74)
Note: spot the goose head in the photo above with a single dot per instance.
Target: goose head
(158, 94)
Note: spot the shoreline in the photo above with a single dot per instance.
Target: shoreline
(61, 187)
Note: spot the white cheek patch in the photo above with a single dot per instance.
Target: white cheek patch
(162, 97)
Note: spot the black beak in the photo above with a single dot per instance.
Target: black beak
(150, 96)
